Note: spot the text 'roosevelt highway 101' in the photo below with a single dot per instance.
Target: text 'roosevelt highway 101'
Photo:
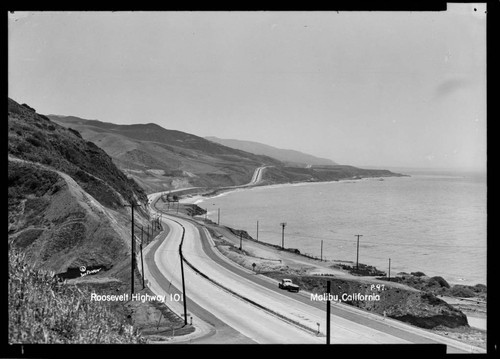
(125, 297)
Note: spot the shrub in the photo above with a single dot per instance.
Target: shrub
(34, 142)
(418, 274)
(43, 117)
(75, 132)
(480, 288)
(14, 108)
(44, 310)
(462, 291)
(438, 281)
(28, 107)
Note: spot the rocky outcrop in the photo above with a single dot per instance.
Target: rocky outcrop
(422, 309)
(396, 301)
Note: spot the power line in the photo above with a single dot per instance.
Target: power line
(376, 242)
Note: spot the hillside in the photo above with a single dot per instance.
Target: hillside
(161, 159)
(290, 174)
(43, 310)
(66, 197)
(290, 157)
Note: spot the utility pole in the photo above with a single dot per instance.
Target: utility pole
(142, 266)
(328, 285)
(322, 250)
(257, 231)
(389, 269)
(240, 239)
(283, 224)
(218, 216)
(357, 251)
(182, 274)
(132, 248)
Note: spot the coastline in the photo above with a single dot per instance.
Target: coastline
(296, 238)
(215, 193)
(275, 262)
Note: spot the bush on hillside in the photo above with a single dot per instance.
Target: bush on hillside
(418, 274)
(462, 291)
(44, 310)
(438, 282)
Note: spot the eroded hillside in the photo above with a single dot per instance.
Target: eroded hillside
(66, 197)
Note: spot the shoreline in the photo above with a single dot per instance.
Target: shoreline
(476, 314)
(274, 261)
(198, 199)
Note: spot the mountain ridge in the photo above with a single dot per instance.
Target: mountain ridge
(288, 156)
(162, 159)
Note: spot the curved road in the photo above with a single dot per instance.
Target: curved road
(243, 322)
(223, 317)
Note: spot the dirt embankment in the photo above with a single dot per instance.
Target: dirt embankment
(422, 309)
(63, 226)
(396, 300)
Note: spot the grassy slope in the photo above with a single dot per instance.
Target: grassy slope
(65, 210)
(284, 155)
(35, 138)
(42, 310)
(162, 159)
(65, 195)
(321, 173)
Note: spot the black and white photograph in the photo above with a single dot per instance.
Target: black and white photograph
(248, 177)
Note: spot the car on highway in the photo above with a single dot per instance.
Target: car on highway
(288, 285)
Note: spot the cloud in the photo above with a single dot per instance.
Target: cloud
(447, 87)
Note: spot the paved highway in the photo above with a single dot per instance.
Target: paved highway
(217, 310)
(254, 324)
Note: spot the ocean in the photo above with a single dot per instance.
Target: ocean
(433, 222)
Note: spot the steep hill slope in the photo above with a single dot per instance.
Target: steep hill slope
(66, 197)
(287, 156)
(160, 159)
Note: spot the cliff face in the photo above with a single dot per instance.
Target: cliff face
(66, 197)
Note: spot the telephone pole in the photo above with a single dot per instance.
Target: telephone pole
(328, 286)
(257, 231)
(283, 224)
(182, 275)
(240, 239)
(132, 248)
(357, 251)
(142, 266)
(389, 269)
(218, 216)
(321, 250)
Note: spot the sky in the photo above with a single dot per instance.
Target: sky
(395, 89)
